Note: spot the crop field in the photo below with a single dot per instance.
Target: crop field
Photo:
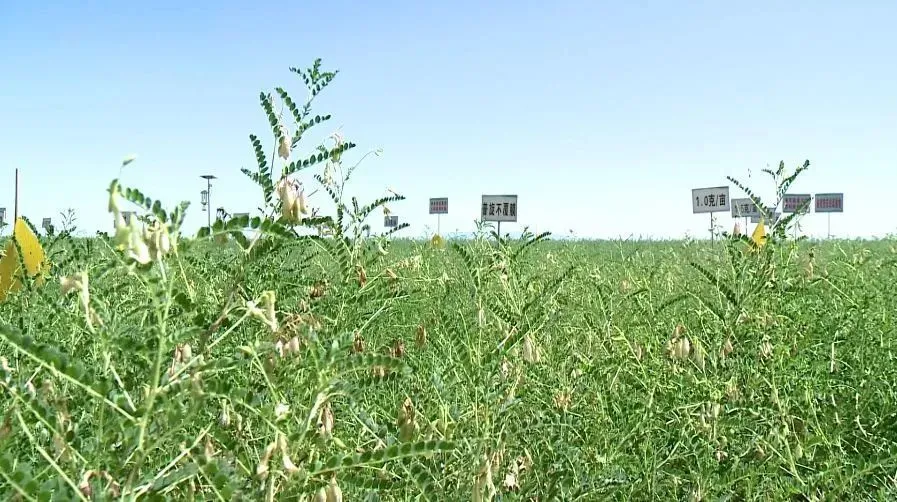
(292, 356)
(568, 370)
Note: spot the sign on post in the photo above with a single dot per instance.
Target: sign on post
(830, 203)
(710, 200)
(390, 221)
(439, 205)
(2, 214)
(744, 208)
(499, 208)
(45, 223)
(793, 203)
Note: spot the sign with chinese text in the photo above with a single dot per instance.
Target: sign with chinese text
(2, 214)
(390, 221)
(793, 202)
(744, 208)
(710, 200)
(499, 208)
(439, 205)
(769, 210)
(45, 223)
(830, 203)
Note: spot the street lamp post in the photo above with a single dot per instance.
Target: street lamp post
(207, 199)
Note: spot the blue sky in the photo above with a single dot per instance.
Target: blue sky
(601, 116)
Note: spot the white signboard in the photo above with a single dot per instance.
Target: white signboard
(439, 205)
(710, 200)
(769, 210)
(792, 202)
(241, 215)
(45, 223)
(830, 203)
(744, 208)
(499, 208)
(2, 214)
(390, 221)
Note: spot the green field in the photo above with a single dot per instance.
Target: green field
(288, 356)
(553, 364)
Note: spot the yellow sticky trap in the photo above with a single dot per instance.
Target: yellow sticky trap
(437, 241)
(32, 257)
(759, 235)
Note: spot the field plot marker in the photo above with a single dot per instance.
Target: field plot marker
(499, 208)
(710, 200)
(439, 206)
(745, 208)
(829, 203)
(796, 203)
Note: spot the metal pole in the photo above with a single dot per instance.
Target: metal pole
(829, 225)
(209, 205)
(438, 224)
(15, 214)
(499, 230)
(712, 239)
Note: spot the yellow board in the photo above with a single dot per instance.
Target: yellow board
(33, 258)
(759, 235)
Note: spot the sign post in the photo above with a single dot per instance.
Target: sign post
(45, 224)
(439, 206)
(2, 216)
(796, 203)
(15, 213)
(499, 208)
(830, 203)
(710, 200)
(390, 221)
(745, 208)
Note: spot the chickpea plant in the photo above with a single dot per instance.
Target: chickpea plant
(176, 387)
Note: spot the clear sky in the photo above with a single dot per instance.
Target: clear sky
(601, 116)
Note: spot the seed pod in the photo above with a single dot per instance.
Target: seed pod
(362, 276)
(698, 356)
(334, 492)
(530, 351)
(288, 464)
(727, 348)
(294, 345)
(327, 421)
(283, 145)
(224, 417)
(358, 343)
(398, 349)
(186, 352)
(421, 336)
(321, 495)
